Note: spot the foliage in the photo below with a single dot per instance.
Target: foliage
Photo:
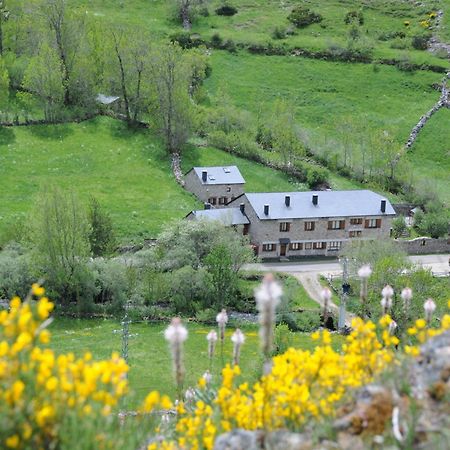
(399, 227)
(102, 238)
(433, 224)
(4, 84)
(354, 16)
(15, 271)
(226, 10)
(420, 42)
(302, 17)
(60, 236)
(57, 401)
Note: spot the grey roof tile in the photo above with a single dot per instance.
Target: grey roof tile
(355, 203)
(220, 175)
(228, 216)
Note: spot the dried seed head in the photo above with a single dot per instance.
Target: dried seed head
(207, 377)
(325, 294)
(176, 333)
(392, 326)
(211, 336)
(238, 337)
(429, 306)
(269, 292)
(387, 291)
(406, 294)
(222, 318)
(364, 272)
(386, 303)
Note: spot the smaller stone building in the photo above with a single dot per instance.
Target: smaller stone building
(215, 185)
(234, 217)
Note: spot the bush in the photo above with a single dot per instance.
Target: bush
(302, 17)
(399, 227)
(435, 225)
(279, 33)
(226, 10)
(420, 42)
(216, 40)
(186, 40)
(15, 272)
(230, 46)
(354, 16)
(308, 321)
(316, 176)
(101, 235)
(284, 338)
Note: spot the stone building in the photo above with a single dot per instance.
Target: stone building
(215, 185)
(234, 217)
(313, 223)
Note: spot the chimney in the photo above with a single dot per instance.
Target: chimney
(207, 205)
(315, 199)
(204, 176)
(287, 200)
(242, 208)
(383, 206)
(266, 210)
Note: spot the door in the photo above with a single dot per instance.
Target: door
(283, 249)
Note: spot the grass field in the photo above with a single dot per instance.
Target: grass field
(128, 171)
(430, 154)
(149, 356)
(257, 19)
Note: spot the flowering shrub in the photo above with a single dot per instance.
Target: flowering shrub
(49, 401)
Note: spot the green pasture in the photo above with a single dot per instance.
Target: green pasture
(149, 356)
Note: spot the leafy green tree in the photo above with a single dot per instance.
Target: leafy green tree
(171, 74)
(4, 84)
(4, 16)
(219, 264)
(399, 227)
(185, 11)
(435, 224)
(60, 238)
(44, 79)
(102, 238)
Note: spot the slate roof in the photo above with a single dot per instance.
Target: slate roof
(228, 216)
(220, 175)
(358, 203)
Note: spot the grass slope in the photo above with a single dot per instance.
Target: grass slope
(149, 356)
(127, 170)
(430, 154)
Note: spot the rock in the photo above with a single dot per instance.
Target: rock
(239, 440)
(284, 440)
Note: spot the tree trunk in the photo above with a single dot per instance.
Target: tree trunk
(184, 13)
(122, 80)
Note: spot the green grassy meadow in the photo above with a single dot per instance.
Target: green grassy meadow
(149, 356)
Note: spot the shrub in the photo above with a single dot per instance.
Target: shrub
(435, 225)
(354, 16)
(316, 176)
(308, 321)
(226, 10)
(216, 40)
(101, 235)
(186, 40)
(284, 339)
(399, 227)
(15, 272)
(230, 46)
(302, 17)
(420, 42)
(279, 33)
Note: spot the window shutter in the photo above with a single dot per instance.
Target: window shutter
(378, 223)
(330, 225)
(342, 224)
(366, 223)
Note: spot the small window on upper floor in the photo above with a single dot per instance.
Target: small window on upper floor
(285, 226)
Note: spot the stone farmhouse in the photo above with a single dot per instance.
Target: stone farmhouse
(215, 185)
(294, 224)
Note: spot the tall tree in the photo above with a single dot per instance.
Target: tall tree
(43, 77)
(4, 15)
(171, 74)
(4, 84)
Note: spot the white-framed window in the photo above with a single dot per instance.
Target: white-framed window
(356, 221)
(334, 245)
(373, 223)
(308, 245)
(336, 224)
(309, 226)
(222, 200)
(285, 226)
(319, 245)
(295, 246)
(269, 247)
(212, 200)
(355, 233)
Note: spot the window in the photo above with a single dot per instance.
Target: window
(285, 226)
(212, 200)
(373, 223)
(295, 246)
(319, 245)
(268, 247)
(336, 224)
(308, 245)
(357, 221)
(309, 226)
(334, 245)
(355, 233)
(222, 200)
(228, 188)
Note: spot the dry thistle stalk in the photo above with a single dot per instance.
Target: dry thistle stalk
(175, 334)
(222, 319)
(386, 301)
(364, 273)
(211, 337)
(406, 297)
(267, 299)
(326, 297)
(238, 339)
(429, 307)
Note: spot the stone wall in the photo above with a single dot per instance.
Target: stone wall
(425, 245)
(203, 191)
